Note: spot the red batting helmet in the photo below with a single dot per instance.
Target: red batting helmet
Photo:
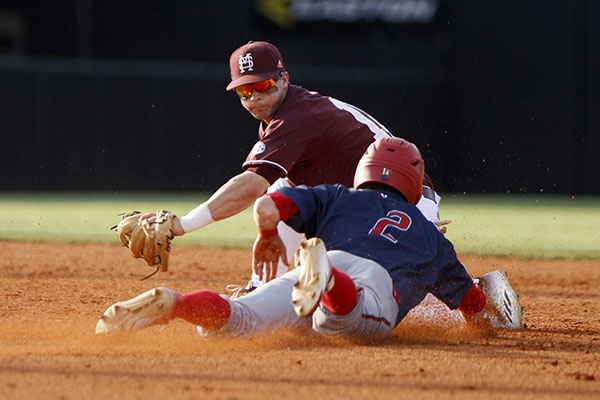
(394, 162)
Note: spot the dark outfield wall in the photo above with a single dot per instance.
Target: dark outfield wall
(108, 95)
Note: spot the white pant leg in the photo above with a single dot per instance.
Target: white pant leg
(374, 315)
(290, 238)
(429, 207)
(267, 308)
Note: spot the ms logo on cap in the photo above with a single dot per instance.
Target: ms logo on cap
(246, 63)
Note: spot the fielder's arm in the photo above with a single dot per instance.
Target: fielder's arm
(232, 198)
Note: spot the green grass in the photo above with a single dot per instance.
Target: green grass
(529, 226)
(88, 217)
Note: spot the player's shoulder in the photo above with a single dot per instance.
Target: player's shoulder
(299, 97)
(336, 188)
(297, 92)
(295, 114)
(300, 102)
(325, 192)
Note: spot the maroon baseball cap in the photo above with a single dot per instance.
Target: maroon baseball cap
(254, 62)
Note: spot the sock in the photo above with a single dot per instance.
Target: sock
(205, 308)
(473, 301)
(341, 298)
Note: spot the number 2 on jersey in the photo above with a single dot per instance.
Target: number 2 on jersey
(395, 220)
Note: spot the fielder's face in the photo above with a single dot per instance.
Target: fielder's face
(262, 106)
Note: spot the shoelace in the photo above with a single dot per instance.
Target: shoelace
(234, 289)
(237, 291)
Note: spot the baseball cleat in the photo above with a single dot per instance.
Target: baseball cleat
(502, 307)
(314, 277)
(149, 308)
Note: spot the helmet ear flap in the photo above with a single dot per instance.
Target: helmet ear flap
(394, 162)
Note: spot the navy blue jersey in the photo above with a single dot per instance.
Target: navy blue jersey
(385, 228)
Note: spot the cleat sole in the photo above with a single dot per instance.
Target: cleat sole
(308, 290)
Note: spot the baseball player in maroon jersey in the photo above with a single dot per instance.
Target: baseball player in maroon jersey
(303, 138)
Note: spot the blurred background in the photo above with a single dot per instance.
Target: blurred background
(119, 95)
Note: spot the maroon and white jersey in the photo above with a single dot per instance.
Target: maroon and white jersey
(312, 140)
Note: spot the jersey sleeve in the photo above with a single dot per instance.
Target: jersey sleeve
(287, 208)
(269, 172)
(312, 204)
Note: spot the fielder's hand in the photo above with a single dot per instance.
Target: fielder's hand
(265, 256)
(148, 238)
(177, 228)
(441, 225)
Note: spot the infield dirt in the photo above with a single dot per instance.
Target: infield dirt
(53, 294)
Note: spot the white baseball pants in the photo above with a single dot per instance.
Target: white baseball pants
(270, 306)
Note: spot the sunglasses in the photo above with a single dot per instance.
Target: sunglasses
(245, 91)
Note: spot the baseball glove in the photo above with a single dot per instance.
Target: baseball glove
(148, 240)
